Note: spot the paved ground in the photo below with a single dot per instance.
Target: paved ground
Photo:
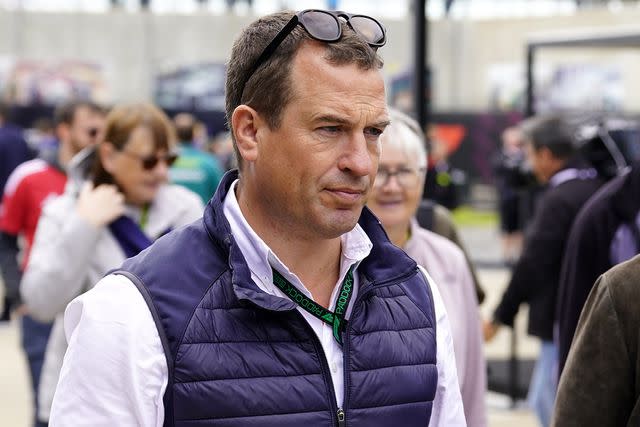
(483, 245)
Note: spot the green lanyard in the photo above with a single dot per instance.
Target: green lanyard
(336, 318)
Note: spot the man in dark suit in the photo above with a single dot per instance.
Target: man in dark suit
(535, 280)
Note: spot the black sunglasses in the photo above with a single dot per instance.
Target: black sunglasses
(151, 161)
(323, 25)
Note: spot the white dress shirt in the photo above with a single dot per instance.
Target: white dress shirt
(115, 371)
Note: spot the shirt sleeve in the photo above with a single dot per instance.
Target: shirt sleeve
(447, 409)
(114, 371)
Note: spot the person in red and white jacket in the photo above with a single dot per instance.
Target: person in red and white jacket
(78, 125)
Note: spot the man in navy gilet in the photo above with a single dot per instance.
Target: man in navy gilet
(286, 304)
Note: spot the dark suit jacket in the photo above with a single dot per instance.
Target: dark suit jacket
(587, 255)
(536, 275)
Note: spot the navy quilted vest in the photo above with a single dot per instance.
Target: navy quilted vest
(238, 356)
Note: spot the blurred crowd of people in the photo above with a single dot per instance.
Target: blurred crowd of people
(584, 221)
(92, 187)
(80, 200)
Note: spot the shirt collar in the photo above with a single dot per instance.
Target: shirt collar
(356, 246)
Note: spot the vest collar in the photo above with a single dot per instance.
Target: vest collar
(385, 263)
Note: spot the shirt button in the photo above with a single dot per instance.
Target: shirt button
(334, 367)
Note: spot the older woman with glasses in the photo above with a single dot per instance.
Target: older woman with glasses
(116, 203)
(395, 199)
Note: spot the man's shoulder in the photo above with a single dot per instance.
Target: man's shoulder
(576, 189)
(622, 280)
(569, 196)
(170, 254)
(26, 173)
(618, 289)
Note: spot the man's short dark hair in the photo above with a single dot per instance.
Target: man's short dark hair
(65, 112)
(551, 132)
(269, 89)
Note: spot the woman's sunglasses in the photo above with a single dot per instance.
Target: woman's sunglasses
(151, 161)
(324, 25)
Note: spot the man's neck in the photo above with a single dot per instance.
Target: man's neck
(316, 261)
(317, 264)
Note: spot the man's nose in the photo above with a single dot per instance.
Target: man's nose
(358, 156)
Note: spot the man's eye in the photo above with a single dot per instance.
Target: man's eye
(374, 131)
(330, 129)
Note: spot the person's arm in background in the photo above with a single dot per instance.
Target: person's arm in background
(539, 264)
(12, 223)
(67, 233)
(11, 273)
(443, 225)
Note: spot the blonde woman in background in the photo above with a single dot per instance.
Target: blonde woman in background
(116, 203)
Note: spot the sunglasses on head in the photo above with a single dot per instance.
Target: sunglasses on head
(151, 161)
(323, 25)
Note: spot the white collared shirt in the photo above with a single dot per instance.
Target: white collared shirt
(115, 372)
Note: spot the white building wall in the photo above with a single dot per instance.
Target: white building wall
(132, 47)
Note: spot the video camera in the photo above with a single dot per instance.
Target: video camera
(610, 144)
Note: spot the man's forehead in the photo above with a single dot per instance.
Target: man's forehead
(344, 89)
(311, 62)
(347, 111)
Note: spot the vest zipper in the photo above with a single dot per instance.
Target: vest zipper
(326, 374)
(342, 419)
(342, 416)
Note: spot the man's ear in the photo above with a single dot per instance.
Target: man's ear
(245, 122)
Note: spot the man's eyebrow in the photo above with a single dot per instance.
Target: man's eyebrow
(331, 118)
(382, 124)
(341, 120)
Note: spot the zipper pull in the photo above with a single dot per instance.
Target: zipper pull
(342, 421)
